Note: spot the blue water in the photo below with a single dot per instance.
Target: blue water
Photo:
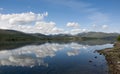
(54, 58)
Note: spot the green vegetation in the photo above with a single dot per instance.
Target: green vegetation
(118, 39)
(16, 36)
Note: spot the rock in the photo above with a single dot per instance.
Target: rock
(95, 57)
(90, 61)
(118, 62)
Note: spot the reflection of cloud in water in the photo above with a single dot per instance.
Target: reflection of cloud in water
(76, 49)
(73, 52)
(78, 46)
(34, 55)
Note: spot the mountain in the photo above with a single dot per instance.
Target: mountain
(13, 39)
(99, 35)
(11, 35)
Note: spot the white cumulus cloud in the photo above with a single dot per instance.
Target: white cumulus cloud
(28, 22)
(72, 24)
(34, 23)
(76, 31)
(104, 26)
(22, 18)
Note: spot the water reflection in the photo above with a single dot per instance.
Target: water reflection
(34, 55)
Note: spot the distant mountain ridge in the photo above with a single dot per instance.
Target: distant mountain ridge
(97, 34)
(12, 35)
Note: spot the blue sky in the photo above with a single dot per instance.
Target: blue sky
(90, 15)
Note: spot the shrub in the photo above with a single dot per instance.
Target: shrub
(118, 39)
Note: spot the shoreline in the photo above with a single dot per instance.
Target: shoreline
(112, 55)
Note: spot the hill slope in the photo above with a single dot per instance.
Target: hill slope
(100, 35)
(11, 35)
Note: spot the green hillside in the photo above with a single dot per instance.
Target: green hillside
(13, 36)
(10, 35)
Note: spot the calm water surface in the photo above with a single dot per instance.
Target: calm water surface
(54, 58)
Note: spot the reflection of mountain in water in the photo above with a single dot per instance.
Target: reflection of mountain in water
(13, 45)
(34, 55)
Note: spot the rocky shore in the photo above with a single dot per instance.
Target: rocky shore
(112, 56)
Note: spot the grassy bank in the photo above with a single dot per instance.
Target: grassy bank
(112, 56)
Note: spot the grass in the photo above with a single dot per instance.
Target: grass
(112, 56)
